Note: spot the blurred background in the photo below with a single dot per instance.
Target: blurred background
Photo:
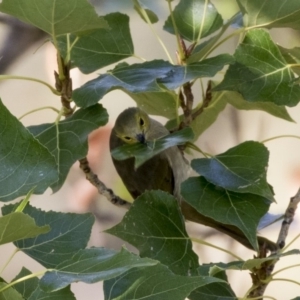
(25, 51)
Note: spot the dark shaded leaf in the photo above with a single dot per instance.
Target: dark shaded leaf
(101, 47)
(260, 73)
(154, 225)
(241, 169)
(194, 19)
(55, 17)
(147, 77)
(25, 163)
(240, 210)
(69, 233)
(143, 152)
(67, 140)
(17, 225)
(268, 219)
(267, 13)
(92, 265)
(26, 287)
(153, 283)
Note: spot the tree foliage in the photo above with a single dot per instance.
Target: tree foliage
(259, 75)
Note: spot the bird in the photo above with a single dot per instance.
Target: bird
(164, 171)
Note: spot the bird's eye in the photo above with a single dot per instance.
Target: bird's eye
(127, 138)
(142, 122)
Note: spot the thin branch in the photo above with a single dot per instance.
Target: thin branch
(101, 187)
(262, 276)
(288, 219)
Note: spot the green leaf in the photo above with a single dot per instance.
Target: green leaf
(271, 14)
(147, 77)
(260, 73)
(241, 169)
(292, 56)
(63, 294)
(153, 283)
(162, 103)
(9, 294)
(26, 287)
(25, 163)
(194, 19)
(17, 225)
(69, 233)
(237, 101)
(143, 152)
(154, 225)
(101, 47)
(142, 9)
(67, 140)
(55, 17)
(243, 211)
(92, 265)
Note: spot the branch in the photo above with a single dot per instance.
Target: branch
(101, 187)
(263, 275)
(288, 219)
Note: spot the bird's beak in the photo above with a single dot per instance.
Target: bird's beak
(141, 138)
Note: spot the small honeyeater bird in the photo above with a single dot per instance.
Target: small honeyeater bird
(164, 171)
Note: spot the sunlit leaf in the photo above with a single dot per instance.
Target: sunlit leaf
(142, 10)
(17, 225)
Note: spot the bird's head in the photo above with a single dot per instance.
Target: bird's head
(132, 125)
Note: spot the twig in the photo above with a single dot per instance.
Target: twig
(288, 219)
(101, 187)
(206, 101)
(262, 276)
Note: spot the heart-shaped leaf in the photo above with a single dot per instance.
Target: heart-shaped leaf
(241, 169)
(154, 225)
(101, 47)
(243, 211)
(67, 140)
(260, 73)
(25, 163)
(51, 248)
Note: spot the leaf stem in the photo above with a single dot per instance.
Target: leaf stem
(38, 109)
(286, 279)
(181, 53)
(9, 260)
(216, 247)
(290, 243)
(24, 278)
(286, 268)
(280, 136)
(156, 35)
(24, 202)
(53, 90)
(202, 21)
